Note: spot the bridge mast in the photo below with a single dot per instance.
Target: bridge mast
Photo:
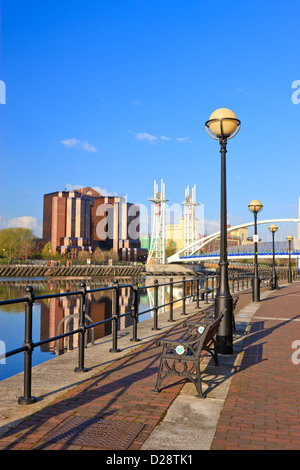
(189, 204)
(157, 251)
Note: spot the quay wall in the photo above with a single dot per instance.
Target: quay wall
(68, 271)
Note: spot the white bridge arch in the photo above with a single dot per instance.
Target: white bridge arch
(199, 244)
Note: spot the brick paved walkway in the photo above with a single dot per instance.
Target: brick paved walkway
(121, 393)
(261, 411)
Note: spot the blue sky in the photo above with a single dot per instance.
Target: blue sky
(114, 94)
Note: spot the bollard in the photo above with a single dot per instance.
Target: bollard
(27, 399)
(135, 311)
(171, 301)
(238, 282)
(115, 316)
(155, 327)
(82, 333)
(184, 295)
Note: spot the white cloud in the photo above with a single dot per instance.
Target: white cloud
(145, 136)
(102, 191)
(73, 187)
(137, 102)
(25, 221)
(211, 226)
(242, 91)
(78, 144)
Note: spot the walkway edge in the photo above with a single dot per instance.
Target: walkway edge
(190, 422)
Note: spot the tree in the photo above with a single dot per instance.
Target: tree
(83, 256)
(171, 248)
(99, 255)
(111, 254)
(46, 251)
(16, 241)
(102, 256)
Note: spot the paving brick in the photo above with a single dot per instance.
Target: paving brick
(267, 383)
(262, 409)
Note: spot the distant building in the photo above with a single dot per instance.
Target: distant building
(85, 220)
(176, 233)
(234, 238)
(241, 234)
(145, 242)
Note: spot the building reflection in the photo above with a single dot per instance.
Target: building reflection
(60, 315)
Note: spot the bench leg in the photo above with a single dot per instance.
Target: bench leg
(197, 382)
(215, 353)
(159, 379)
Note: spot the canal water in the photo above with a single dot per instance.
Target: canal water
(55, 316)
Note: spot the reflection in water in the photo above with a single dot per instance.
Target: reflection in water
(55, 316)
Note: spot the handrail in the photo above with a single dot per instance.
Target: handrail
(28, 346)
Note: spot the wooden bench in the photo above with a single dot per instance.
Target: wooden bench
(234, 302)
(182, 357)
(210, 312)
(268, 282)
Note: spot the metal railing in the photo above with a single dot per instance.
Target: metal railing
(196, 293)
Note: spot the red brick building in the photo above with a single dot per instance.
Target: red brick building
(85, 220)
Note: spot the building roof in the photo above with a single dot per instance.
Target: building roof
(88, 191)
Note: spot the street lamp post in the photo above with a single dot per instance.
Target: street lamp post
(222, 126)
(290, 239)
(255, 206)
(273, 228)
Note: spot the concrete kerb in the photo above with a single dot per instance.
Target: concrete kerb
(190, 423)
(56, 376)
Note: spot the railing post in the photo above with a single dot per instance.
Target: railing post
(197, 291)
(115, 316)
(213, 288)
(171, 319)
(238, 282)
(184, 295)
(233, 283)
(155, 327)
(206, 289)
(81, 324)
(27, 399)
(135, 311)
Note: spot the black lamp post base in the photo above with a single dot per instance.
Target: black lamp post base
(256, 290)
(224, 335)
(26, 401)
(274, 287)
(225, 345)
(81, 369)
